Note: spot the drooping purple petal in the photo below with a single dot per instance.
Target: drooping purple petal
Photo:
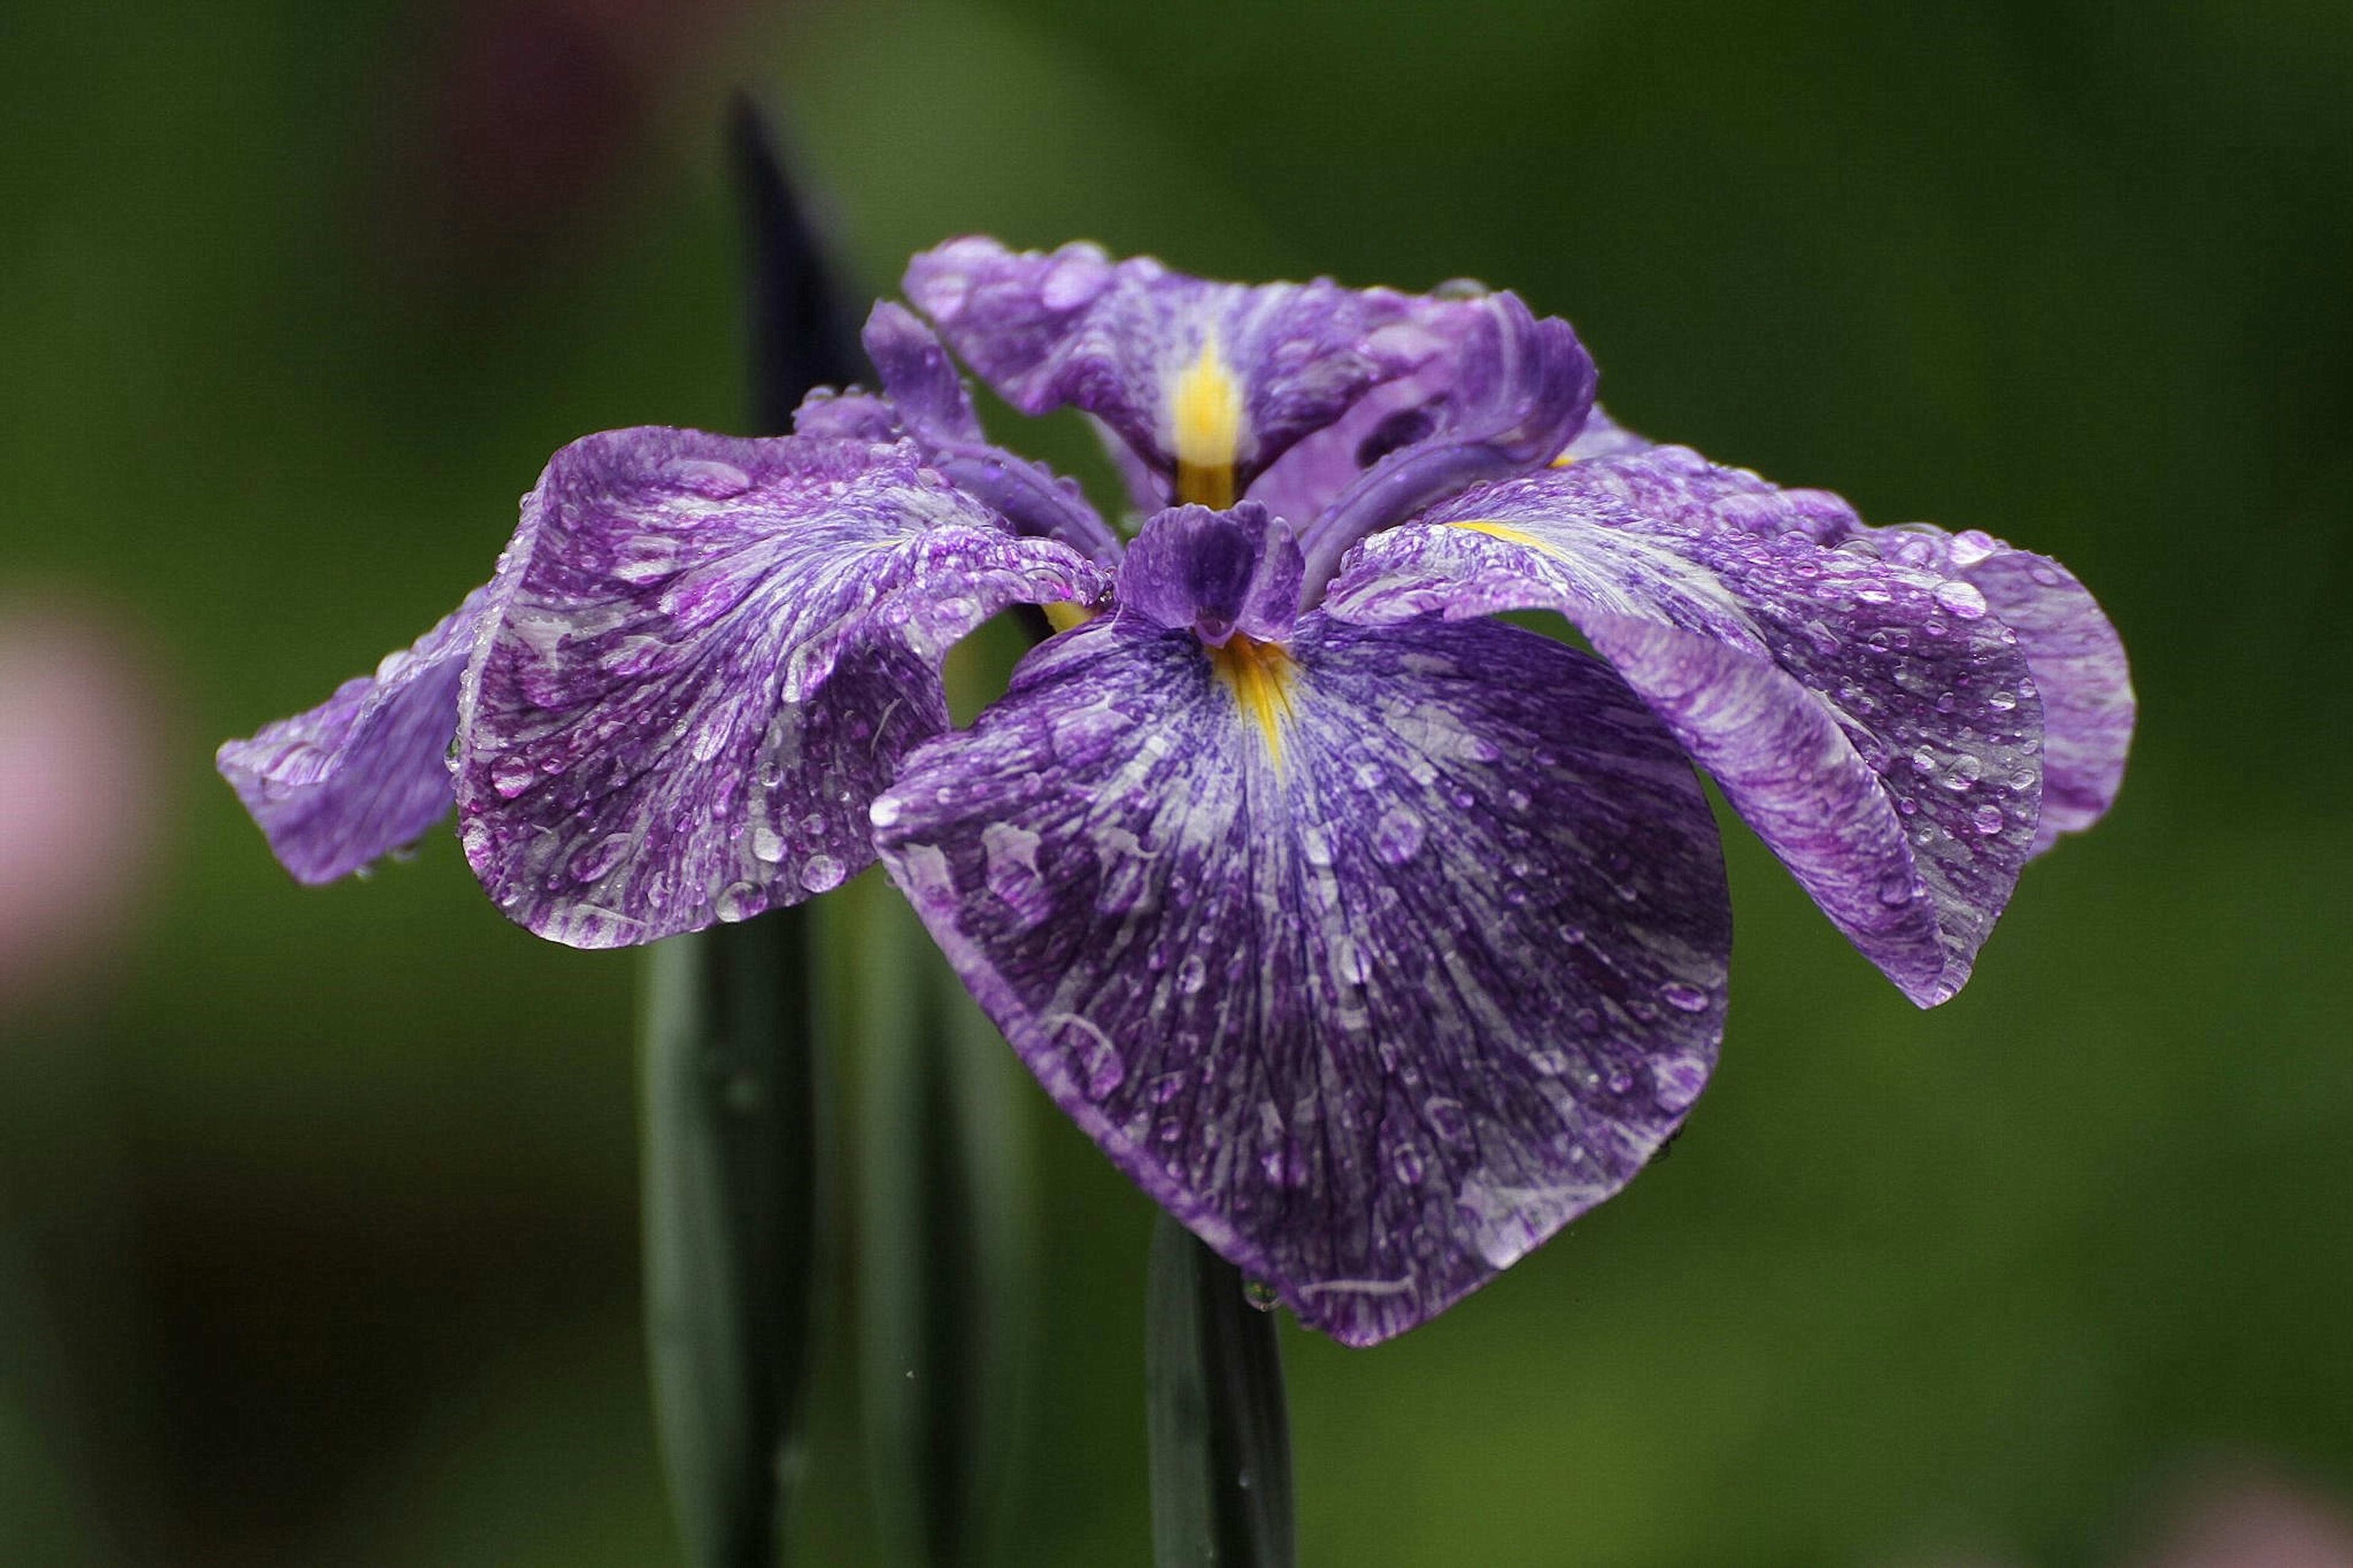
(1375, 965)
(1875, 724)
(367, 770)
(922, 384)
(2075, 658)
(2074, 653)
(707, 654)
(1215, 380)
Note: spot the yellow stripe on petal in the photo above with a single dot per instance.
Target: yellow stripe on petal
(1063, 615)
(1259, 675)
(1206, 407)
(1505, 531)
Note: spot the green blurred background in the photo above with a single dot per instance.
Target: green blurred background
(317, 1230)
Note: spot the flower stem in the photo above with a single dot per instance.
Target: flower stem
(1220, 1429)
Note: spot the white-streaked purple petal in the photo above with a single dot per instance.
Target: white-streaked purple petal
(367, 770)
(1376, 981)
(1120, 340)
(2073, 652)
(1880, 733)
(705, 656)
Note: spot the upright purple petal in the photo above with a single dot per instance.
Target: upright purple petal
(706, 656)
(1375, 963)
(1208, 381)
(2075, 658)
(367, 770)
(937, 411)
(1875, 723)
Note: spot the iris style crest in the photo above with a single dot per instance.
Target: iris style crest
(1375, 938)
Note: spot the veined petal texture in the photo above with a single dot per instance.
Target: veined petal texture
(1376, 967)
(1189, 372)
(706, 656)
(1875, 723)
(366, 771)
(2074, 653)
(2077, 660)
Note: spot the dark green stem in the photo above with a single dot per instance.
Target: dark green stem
(732, 1197)
(1220, 1428)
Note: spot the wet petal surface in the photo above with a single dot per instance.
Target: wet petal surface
(1877, 727)
(1208, 382)
(1375, 981)
(708, 655)
(367, 770)
(2074, 653)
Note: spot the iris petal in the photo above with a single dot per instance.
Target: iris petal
(2074, 653)
(1193, 376)
(1877, 727)
(1374, 1017)
(367, 770)
(708, 655)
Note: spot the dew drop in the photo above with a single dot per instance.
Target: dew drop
(1987, 818)
(1962, 599)
(821, 873)
(1683, 996)
(768, 843)
(1192, 974)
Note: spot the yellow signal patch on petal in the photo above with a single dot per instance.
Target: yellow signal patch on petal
(1505, 531)
(1259, 675)
(1063, 615)
(1206, 408)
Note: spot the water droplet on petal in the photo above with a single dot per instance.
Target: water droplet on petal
(1683, 996)
(821, 873)
(1987, 818)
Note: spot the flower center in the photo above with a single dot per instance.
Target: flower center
(1207, 408)
(1259, 675)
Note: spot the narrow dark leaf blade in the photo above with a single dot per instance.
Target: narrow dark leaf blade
(799, 324)
(732, 1215)
(1220, 1426)
(944, 1249)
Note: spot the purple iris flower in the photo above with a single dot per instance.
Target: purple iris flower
(1376, 939)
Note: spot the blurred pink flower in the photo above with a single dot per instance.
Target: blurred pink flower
(76, 788)
(2259, 1523)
